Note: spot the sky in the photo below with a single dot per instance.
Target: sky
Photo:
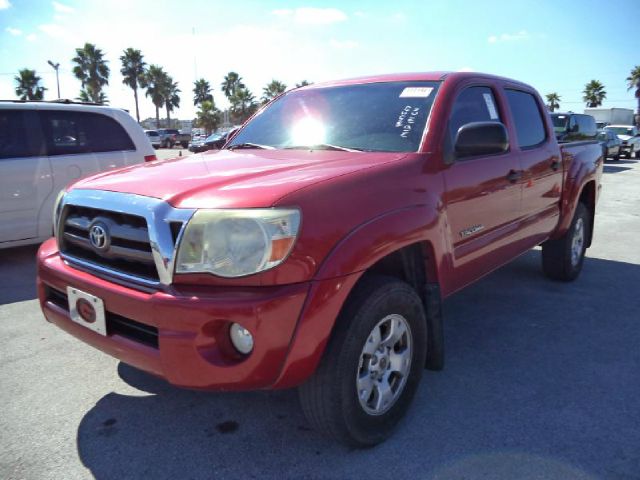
(556, 46)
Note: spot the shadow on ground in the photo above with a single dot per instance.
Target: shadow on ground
(541, 381)
(18, 274)
(615, 169)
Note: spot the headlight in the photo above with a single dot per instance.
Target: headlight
(56, 211)
(235, 243)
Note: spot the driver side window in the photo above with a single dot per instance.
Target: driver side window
(474, 104)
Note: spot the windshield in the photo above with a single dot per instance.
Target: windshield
(560, 122)
(213, 136)
(372, 117)
(620, 130)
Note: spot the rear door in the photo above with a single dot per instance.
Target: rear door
(483, 193)
(25, 175)
(541, 163)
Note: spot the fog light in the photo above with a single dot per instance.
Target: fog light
(241, 338)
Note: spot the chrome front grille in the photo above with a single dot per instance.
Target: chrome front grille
(122, 236)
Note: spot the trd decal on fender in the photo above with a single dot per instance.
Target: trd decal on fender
(471, 230)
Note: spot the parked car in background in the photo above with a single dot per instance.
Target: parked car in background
(169, 137)
(154, 138)
(199, 144)
(629, 137)
(610, 144)
(215, 141)
(315, 250)
(44, 146)
(571, 127)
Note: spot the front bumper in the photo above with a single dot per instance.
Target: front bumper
(181, 334)
(191, 326)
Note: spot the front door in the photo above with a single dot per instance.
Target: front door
(483, 194)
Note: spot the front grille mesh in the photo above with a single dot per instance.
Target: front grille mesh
(130, 248)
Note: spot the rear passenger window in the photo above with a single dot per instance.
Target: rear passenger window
(14, 142)
(70, 132)
(526, 118)
(474, 104)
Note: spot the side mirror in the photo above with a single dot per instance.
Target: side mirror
(481, 138)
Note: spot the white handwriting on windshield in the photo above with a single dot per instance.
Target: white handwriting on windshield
(407, 119)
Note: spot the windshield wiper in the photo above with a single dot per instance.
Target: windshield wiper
(240, 146)
(324, 146)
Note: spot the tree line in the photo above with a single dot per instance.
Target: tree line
(92, 70)
(594, 92)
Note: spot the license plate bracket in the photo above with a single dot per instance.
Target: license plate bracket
(87, 310)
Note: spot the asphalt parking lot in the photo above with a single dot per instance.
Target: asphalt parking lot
(542, 382)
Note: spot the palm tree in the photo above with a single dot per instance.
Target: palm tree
(132, 72)
(243, 104)
(553, 101)
(594, 94)
(171, 97)
(303, 83)
(201, 92)
(84, 97)
(633, 81)
(92, 71)
(232, 82)
(208, 117)
(154, 81)
(272, 90)
(29, 85)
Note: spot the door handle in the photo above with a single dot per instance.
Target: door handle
(555, 165)
(514, 175)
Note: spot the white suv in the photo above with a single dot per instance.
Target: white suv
(44, 146)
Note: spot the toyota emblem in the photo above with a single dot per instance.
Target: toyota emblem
(99, 236)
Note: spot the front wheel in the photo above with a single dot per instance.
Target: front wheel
(372, 365)
(562, 258)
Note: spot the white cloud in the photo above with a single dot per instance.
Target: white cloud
(343, 44)
(32, 37)
(53, 30)
(466, 69)
(62, 8)
(282, 12)
(4, 4)
(312, 16)
(509, 37)
(14, 31)
(399, 17)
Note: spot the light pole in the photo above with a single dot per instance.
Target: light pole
(55, 67)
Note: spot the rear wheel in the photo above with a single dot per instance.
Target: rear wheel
(372, 365)
(562, 258)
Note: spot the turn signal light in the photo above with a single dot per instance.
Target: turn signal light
(150, 158)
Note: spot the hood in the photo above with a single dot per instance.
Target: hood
(228, 179)
(625, 138)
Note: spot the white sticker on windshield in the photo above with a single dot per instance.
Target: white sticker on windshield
(416, 92)
(488, 99)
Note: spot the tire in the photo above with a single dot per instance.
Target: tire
(562, 259)
(330, 398)
(185, 144)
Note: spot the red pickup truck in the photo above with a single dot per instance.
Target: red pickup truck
(316, 248)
